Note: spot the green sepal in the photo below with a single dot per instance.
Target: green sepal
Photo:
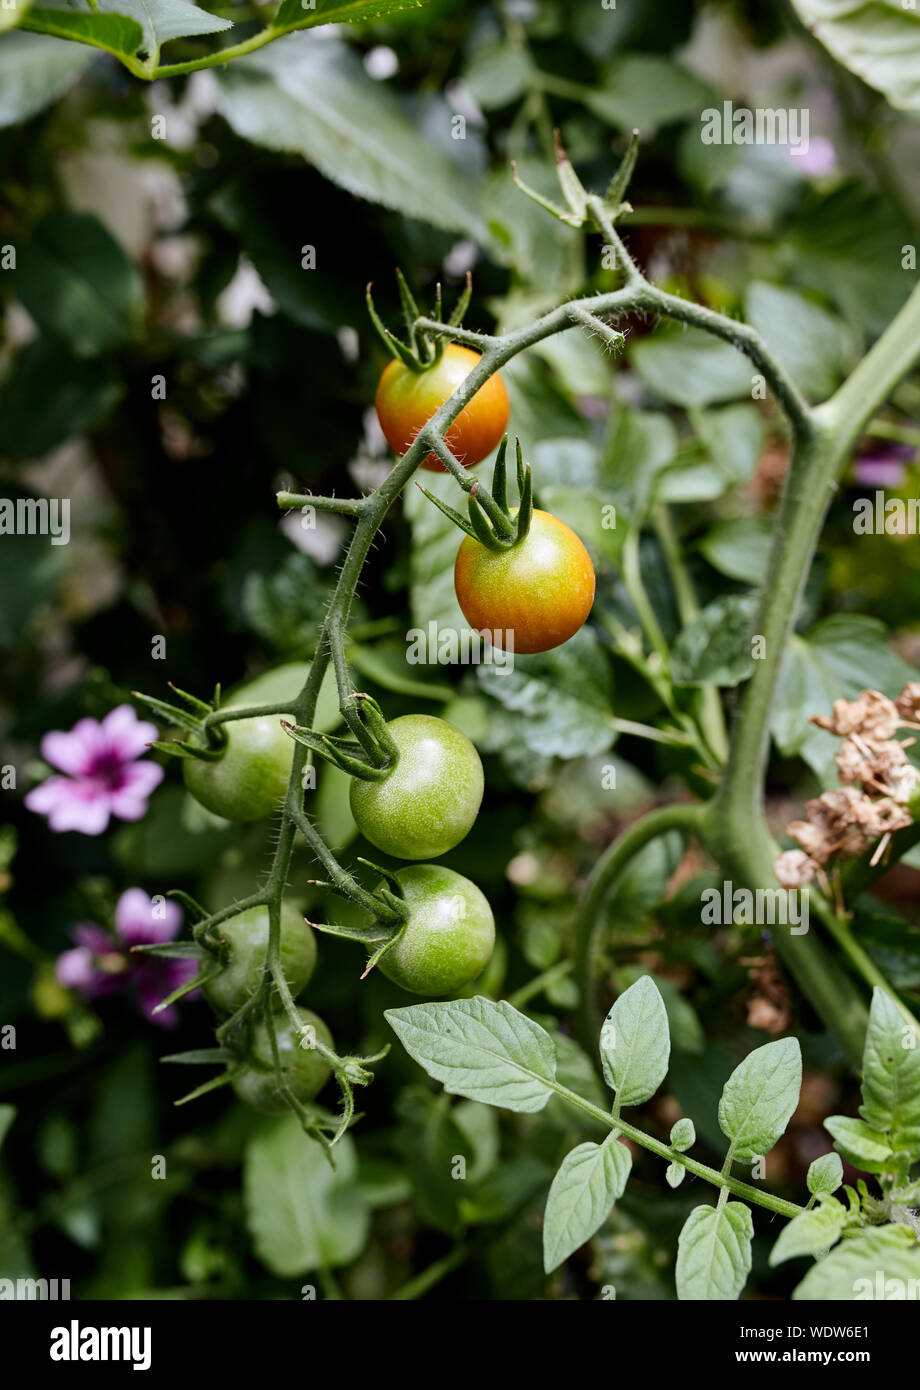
(571, 185)
(172, 950)
(409, 308)
(449, 512)
(223, 1079)
(463, 303)
(542, 202)
(620, 181)
(195, 983)
(172, 714)
(191, 904)
(193, 701)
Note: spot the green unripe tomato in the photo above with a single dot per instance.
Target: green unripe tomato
(246, 940)
(248, 782)
(430, 800)
(304, 1070)
(449, 937)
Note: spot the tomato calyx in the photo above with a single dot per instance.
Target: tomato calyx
(493, 523)
(578, 209)
(388, 925)
(371, 755)
(210, 740)
(421, 350)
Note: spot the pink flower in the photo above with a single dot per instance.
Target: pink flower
(883, 465)
(101, 963)
(103, 778)
(817, 158)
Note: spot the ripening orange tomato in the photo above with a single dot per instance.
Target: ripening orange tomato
(406, 401)
(540, 591)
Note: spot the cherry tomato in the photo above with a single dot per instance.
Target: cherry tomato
(431, 798)
(540, 591)
(304, 1070)
(248, 782)
(246, 944)
(449, 937)
(406, 401)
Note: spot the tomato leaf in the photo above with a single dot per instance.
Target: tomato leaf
(715, 649)
(115, 33)
(309, 95)
(811, 1232)
(485, 1051)
(759, 1097)
(879, 40)
(891, 1077)
(302, 1214)
(590, 1179)
(825, 1174)
(635, 1043)
(35, 71)
(887, 1255)
(714, 1253)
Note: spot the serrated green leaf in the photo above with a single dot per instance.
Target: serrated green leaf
(683, 1135)
(879, 1263)
(891, 1076)
(307, 14)
(162, 20)
(811, 1232)
(878, 40)
(35, 71)
(715, 649)
(759, 1098)
(590, 1179)
(635, 1043)
(862, 1146)
(301, 1213)
(485, 1051)
(560, 699)
(115, 33)
(825, 1174)
(714, 1253)
(309, 95)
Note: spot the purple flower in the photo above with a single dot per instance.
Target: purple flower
(817, 158)
(103, 778)
(883, 464)
(101, 963)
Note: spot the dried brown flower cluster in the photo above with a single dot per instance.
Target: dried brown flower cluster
(878, 783)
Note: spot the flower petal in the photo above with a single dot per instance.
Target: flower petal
(125, 735)
(71, 805)
(75, 751)
(129, 801)
(142, 921)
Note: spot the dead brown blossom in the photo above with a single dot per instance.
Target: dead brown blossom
(878, 783)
